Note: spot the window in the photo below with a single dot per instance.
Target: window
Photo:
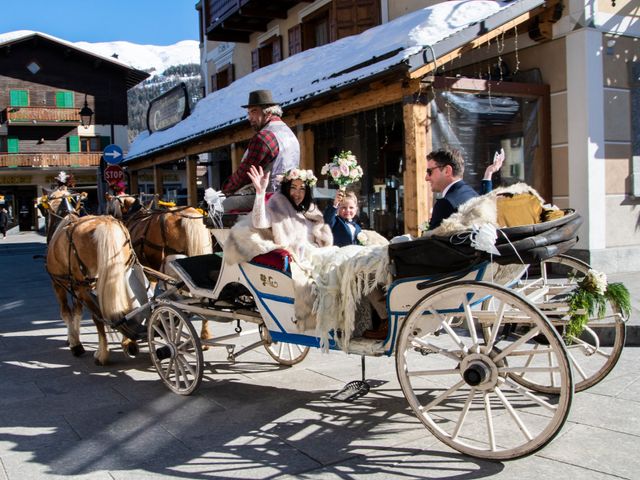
(315, 29)
(269, 51)
(90, 144)
(64, 100)
(223, 78)
(19, 98)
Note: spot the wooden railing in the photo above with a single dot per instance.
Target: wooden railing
(40, 115)
(50, 159)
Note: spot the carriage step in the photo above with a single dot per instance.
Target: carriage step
(352, 391)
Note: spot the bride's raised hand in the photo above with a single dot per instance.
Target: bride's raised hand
(259, 179)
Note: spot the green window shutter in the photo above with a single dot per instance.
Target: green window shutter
(104, 141)
(12, 145)
(64, 99)
(74, 144)
(19, 98)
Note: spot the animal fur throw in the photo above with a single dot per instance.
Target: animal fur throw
(328, 281)
(487, 209)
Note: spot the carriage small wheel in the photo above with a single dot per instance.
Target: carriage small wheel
(283, 353)
(459, 382)
(175, 350)
(594, 354)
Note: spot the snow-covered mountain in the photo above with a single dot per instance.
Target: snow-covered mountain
(168, 66)
(151, 58)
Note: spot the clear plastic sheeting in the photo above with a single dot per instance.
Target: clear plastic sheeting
(481, 124)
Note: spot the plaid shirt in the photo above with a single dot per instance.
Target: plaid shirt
(262, 150)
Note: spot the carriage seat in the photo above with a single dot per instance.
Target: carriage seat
(278, 259)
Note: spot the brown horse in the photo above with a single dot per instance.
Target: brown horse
(86, 255)
(158, 233)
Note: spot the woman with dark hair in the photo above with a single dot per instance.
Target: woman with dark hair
(295, 221)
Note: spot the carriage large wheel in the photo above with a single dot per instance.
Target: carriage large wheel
(175, 350)
(458, 382)
(594, 354)
(283, 353)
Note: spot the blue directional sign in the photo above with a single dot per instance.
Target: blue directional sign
(112, 154)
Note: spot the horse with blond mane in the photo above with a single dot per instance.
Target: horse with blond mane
(88, 259)
(160, 233)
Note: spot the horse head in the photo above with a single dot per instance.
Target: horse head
(122, 206)
(57, 205)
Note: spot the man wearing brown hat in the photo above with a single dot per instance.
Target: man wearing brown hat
(274, 147)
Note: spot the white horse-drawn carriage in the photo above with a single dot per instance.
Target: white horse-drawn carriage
(480, 343)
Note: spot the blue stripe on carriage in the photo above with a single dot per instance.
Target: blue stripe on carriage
(300, 339)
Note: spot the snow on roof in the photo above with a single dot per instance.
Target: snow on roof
(330, 66)
(11, 37)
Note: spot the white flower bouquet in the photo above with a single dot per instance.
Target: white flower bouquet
(343, 169)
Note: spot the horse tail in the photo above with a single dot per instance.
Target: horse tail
(113, 251)
(197, 236)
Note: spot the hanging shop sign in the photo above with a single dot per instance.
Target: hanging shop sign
(168, 109)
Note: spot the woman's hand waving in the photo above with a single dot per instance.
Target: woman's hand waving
(259, 179)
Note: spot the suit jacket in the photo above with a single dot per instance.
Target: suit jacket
(446, 206)
(340, 228)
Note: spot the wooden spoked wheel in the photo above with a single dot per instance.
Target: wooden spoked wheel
(458, 381)
(594, 353)
(283, 353)
(175, 350)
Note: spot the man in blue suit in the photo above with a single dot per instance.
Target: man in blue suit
(445, 168)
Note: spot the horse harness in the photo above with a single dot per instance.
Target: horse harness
(67, 281)
(143, 241)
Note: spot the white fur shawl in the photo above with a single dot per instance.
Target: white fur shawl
(291, 230)
(479, 210)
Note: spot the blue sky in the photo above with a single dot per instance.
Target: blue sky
(146, 22)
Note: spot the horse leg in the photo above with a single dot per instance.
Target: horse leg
(205, 333)
(73, 327)
(77, 319)
(101, 356)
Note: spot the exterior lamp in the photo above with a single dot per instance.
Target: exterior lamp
(85, 114)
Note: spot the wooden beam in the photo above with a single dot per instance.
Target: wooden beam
(430, 67)
(417, 143)
(306, 139)
(134, 185)
(192, 187)
(157, 181)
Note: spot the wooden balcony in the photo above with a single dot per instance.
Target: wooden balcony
(41, 116)
(236, 20)
(39, 160)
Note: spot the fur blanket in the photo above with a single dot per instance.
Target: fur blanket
(484, 209)
(328, 281)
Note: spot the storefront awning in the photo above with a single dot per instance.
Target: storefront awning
(414, 43)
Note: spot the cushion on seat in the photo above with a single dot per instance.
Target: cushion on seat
(277, 259)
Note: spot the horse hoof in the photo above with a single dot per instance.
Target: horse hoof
(131, 349)
(99, 363)
(77, 351)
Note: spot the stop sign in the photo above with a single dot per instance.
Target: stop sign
(113, 174)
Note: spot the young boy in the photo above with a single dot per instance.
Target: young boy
(339, 216)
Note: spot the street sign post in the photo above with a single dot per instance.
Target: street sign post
(112, 154)
(113, 174)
